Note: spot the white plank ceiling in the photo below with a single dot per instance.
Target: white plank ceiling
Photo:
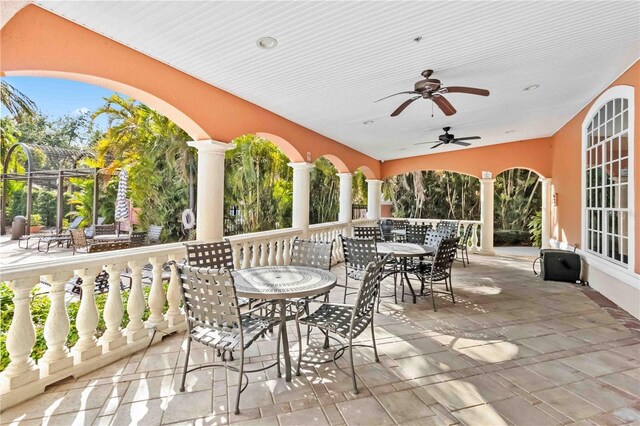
(334, 59)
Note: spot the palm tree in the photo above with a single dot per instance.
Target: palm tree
(17, 103)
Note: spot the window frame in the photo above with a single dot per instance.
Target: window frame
(604, 261)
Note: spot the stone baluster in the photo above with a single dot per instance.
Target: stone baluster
(136, 304)
(175, 315)
(88, 316)
(113, 312)
(474, 239)
(20, 340)
(237, 256)
(280, 254)
(273, 246)
(255, 251)
(287, 251)
(246, 255)
(56, 329)
(157, 296)
(264, 253)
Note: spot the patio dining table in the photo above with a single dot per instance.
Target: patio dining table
(279, 283)
(403, 252)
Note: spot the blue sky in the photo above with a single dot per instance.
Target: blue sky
(57, 97)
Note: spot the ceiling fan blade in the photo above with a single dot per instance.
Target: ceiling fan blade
(422, 143)
(404, 105)
(467, 90)
(444, 105)
(435, 146)
(468, 138)
(412, 92)
(457, 142)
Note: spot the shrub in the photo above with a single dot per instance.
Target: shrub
(511, 237)
(40, 305)
(535, 229)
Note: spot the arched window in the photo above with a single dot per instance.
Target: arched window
(608, 177)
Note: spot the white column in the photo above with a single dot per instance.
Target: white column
(486, 215)
(546, 210)
(374, 195)
(346, 197)
(210, 206)
(301, 180)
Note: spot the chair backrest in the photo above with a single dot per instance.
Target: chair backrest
(445, 255)
(399, 224)
(368, 232)
(433, 237)
(368, 292)
(104, 229)
(153, 234)
(108, 246)
(209, 297)
(216, 255)
(78, 239)
(315, 254)
(416, 233)
(137, 239)
(76, 222)
(386, 226)
(449, 225)
(464, 239)
(358, 252)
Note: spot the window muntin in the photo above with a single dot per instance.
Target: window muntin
(607, 182)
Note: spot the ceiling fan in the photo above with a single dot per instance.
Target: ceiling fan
(431, 88)
(448, 138)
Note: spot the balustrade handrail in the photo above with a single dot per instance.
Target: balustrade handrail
(327, 225)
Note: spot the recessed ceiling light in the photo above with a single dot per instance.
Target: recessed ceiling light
(532, 87)
(367, 122)
(267, 43)
(510, 131)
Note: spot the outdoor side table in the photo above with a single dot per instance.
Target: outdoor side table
(404, 251)
(279, 283)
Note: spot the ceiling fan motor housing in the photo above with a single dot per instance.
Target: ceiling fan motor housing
(427, 84)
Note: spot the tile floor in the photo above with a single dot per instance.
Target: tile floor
(512, 350)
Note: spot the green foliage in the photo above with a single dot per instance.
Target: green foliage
(535, 229)
(36, 220)
(325, 192)
(40, 305)
(517, 198)
(258, 182)
(431, 194)
(359, 188)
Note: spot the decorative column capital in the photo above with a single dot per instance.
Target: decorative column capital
(301, 166)
(344, 175)
(375, 181)
(209, 145)
(545, 181)
(487, 180)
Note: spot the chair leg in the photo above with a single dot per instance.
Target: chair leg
(373, 340)
(353, 368)
(240, 374)
(186, 364)
(451, 290)
(346, 286)
(433, 297)
(395, 285)
(278, 350)
(299, 348)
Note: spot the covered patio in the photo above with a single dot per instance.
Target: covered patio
(513, 349)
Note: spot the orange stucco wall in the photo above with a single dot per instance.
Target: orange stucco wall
(567, 170)
(533, 154)
(37, 42)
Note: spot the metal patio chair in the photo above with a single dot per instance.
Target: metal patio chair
(415, 233)
(463, 244)
(452, 226)
(347, 321)
(368, 232)
(137, 239)
(153, 234)
(214, 320)
(358, 253)
(79, 241)
(439, 270)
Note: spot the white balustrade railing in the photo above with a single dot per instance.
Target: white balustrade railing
(330, 232)
(24, 378)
